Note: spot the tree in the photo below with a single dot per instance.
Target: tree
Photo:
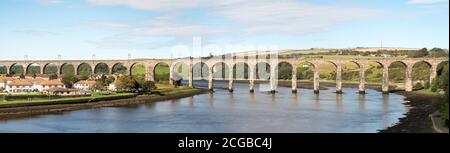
(69, 80)
(53, 77)
(2, 69)
(103, 82)
(126, 83)
(148, 86)
(420, 53)
(438, 52)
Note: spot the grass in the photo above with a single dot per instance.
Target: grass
(65, 99)
(427, 92)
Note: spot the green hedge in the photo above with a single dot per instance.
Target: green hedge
(25, 96)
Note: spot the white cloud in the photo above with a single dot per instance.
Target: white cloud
(152, 5)
(240, 17)
(250, 16)
(50, 1)
(36, 32)
(106, 24)
(426, 1)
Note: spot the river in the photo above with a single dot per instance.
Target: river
(239, 111)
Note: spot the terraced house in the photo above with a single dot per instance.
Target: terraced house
(26, 85)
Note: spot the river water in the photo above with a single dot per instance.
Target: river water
(239, 111)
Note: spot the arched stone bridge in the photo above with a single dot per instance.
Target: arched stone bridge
(251, 62)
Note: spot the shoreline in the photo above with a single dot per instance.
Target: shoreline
(417, 119)
(30, 111)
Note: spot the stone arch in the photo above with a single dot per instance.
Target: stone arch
(241, 70)
(351, 71)
(180, 71)
(68, 69)
(50, 68)
(323, 70)
(305, 70)
(99, 70)
(138, 69)
(119, 68)
(3, 69)
(397, 72)
(259, 71)
(420, 74)
(33, 69)
(440, 66)
(200, 71)
(221, 70)
(284, 70)
(84, 69)
(373, 71)
(161, 72)
(16, 69)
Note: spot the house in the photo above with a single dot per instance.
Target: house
(43, 85)
(84, 85)
(20, 86)
(112, 87)
(58, 91)
(4, 81)
(17, 85)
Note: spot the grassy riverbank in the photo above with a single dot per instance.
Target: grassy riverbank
(68, 104)
(93, 97)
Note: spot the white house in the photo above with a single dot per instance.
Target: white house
(17, 85)
(48, 84)
(20, 86)
(84, 85)
(4, 81)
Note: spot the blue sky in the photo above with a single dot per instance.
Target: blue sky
(111, 29)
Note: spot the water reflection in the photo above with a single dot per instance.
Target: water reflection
(362, 102)
(239, 111)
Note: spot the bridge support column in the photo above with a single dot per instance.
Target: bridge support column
(171, 76)
(230, 73)
(408, 78)
(316, 80)
(190, 73)
(433, 73)
(230, 82)
(7, 70)
(210, 79)
(294, 79)
(338, 79)
(273, 80)
(42, 69)
(385, 83)
(251, 82)
(362, 79)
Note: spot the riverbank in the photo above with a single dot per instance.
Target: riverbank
(417, 120)
(56, 108)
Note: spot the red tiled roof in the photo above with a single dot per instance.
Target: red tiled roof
(89, 82)
(23, 82)
(50, 82)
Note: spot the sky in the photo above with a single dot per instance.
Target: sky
(117, 29)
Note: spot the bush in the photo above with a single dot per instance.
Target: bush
(24, 96)
(434, 85)
(427, 85)
(444, 108)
